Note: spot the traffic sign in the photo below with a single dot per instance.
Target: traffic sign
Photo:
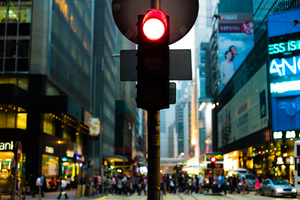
(180, 65)
(18, 150)
(183, 15)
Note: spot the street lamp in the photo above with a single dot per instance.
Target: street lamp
(101, 109)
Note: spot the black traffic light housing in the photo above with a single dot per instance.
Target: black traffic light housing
(153, 70)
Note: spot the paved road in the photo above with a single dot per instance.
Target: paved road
(72, 196)
(198, 197)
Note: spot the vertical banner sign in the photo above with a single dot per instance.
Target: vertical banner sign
(284, 69)
(235, 41)
(94, 128)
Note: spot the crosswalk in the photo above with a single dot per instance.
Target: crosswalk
(193, 197)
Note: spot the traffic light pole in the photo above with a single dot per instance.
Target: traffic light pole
(154, 155)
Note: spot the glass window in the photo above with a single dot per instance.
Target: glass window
(50, 90)
(49, 124)
(2, 120)
(25, 14)
(67, 136)
(11, 48)
(23, 48)
(11, 120)
(1, 48)
(12, 81)
(23, 83)
(3, 80)
(13, 14)
(2, 14)
(22, 121)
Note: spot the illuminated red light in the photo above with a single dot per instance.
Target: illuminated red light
(213, 159)
(154, 24)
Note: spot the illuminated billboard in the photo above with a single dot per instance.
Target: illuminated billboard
(235, 41)
(284, 69)
(247, 112)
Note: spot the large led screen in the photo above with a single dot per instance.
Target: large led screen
(284, 69)
(235, 41)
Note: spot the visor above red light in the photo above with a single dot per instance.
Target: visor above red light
(154, 24)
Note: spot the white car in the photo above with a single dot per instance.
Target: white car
(277, 188)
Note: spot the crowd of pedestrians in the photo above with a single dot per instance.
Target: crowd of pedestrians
(216, 184)
(119, 185)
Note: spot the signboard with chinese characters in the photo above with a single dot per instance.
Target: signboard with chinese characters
(94, 127)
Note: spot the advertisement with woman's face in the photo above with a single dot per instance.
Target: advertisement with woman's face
(235, 41)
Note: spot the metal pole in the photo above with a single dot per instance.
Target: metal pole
(154, 155)
(93, 154)
(15, 177)
(101, 151)
(123, 153)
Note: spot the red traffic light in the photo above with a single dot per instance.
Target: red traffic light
(213, 159)
(154, 24)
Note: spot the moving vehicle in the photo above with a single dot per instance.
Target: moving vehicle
(277, 188)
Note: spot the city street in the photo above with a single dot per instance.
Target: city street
(198, 196)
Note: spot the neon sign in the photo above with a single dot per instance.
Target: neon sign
(284, 47)
(277, 135)
(290, 134)
(285, 66)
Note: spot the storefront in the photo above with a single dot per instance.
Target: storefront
(272, 158)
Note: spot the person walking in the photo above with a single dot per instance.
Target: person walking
(63, 189)
(99, 183)
(223, 184)
(39, 185)
(200, 183)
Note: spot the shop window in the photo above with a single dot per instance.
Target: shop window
(50, 165)
(49, 124)
(22, 121)
(12, 81)
(25, 14)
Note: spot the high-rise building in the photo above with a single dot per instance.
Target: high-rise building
(46, 76)
(242, 126)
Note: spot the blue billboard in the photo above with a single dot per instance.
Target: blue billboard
(284, 69)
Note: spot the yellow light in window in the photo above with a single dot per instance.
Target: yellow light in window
(58, 118)
(285, 155)
(14, 108)
(77, 133)
(9, 106)
(65, 115)
(19, 110)
(5, 110)
(1, 108)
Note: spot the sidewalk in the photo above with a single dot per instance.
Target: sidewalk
(53, 196)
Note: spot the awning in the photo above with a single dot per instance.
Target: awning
(115, 158)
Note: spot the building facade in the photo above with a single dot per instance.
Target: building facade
(46, 85)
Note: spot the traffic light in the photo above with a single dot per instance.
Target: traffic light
(108, 166)
(213, 161)
(153, 90)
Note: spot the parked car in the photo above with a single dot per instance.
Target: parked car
(277, 188)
